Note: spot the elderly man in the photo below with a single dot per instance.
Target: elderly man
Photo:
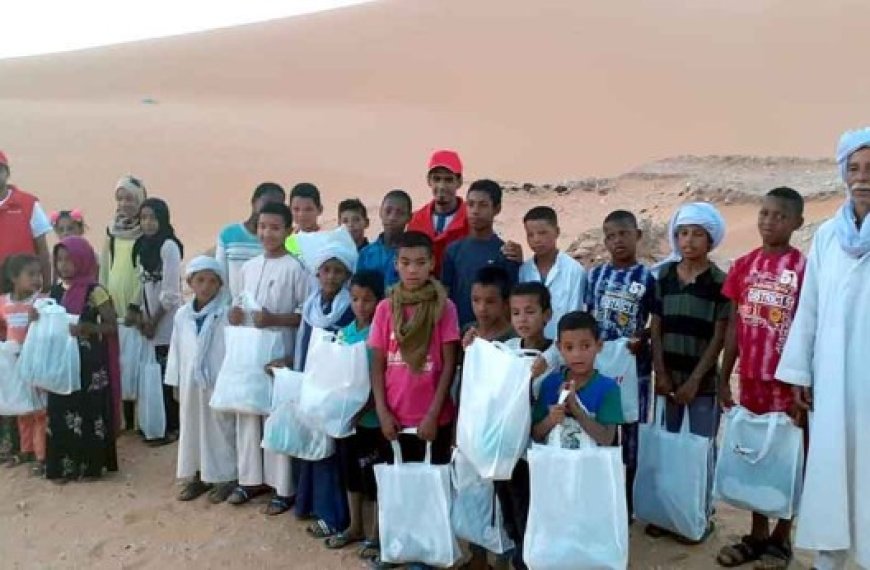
(825, 357)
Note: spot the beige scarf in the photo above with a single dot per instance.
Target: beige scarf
(415, 334)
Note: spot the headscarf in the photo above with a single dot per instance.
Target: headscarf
(314, 310)
(316, 248)
(854, 241)
(75, 298)
(146, 250)
(693, 214)
(124, 227)
(210, 314)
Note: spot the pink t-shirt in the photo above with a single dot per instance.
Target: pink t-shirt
(15, 317)
(410, 394)
(766, 289)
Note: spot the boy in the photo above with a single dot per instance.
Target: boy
(620, 295)
(207, 447)
(444, 219)
(306, 207)
(238, 242)
(395, 212)
(482, 248)
(353, 215)
(278, 283)
(563, 275)
(690, 316)
(490, 293)
(764, 287)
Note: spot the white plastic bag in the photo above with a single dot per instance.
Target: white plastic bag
(570, 434)
(414, 512)
(337, 384)
(672, 485)
(476, 512)
(495, 418)
(17, 396)
(50, 354)
(242, 386)
(760, 466)
(284, 431)
(150, 412)
(617, 362)
(132, 346)
(577, 513)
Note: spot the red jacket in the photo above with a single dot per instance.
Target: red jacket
(15, 233)
(458, 228)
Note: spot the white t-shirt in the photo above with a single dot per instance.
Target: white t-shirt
(39, 222)
(566, 282)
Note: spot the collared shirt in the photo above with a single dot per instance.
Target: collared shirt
(566, 282)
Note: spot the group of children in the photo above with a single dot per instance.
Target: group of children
(418, 295)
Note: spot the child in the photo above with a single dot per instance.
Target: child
(360, 452)
(395, 212)
(601, 409)
(319, 487)
(490, 293)
(22, 277)
(82, 448)
(118, 274)
(157, 253)
(279, 284)
(237, 243)
(764, 287)
(353, 215)
(563, 275)
(690, 316)
(306, 207)
(482, 248)
(207, 443)
(444, 219)
(68, 223)
(620, 295)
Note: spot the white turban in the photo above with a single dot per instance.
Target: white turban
(693, 214)
(205, 263)
(316, 248)
(854, 241)
(850, 142)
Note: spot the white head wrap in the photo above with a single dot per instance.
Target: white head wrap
(317, 248)
(854, 241)
(205, 263)
(851, 141)
(693, 214)
(209, 315)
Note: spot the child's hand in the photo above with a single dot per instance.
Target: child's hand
(539, 366)
(634, 345)
(83, 330)
(428, 428)
(726, 398)
(557, 414)
(148, 328)
(469, 337)
(236, 316)
(687, 392)
(664, 384)
(262, 319)
(389, 426)
(32, 315)
(571, 403)
(279, 363)
(512, 251)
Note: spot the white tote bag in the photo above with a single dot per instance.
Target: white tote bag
(284, 431)
(414, 512)
(337, 384)
(495, 418)
(760, 466)
(242, 386)
(577, 514)
(17, 397)
(50, 354)
(132, 346)
(672, 485)
(476, 512)
(150, 412)
(617, 362)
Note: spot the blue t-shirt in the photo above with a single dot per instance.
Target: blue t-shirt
(462, 261)
(377, 256)
(621, 300)
(600, 396)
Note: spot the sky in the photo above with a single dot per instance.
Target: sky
(45, 26)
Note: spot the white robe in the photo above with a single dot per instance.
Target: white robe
(207, 442)
(827, 349)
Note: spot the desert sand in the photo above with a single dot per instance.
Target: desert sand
(584, 106)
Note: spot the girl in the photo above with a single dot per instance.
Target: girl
(207, 447)
(359, 452)
(81, 438)
(117, 272)
(22, 277)
(68, 223)
(157, 254)
(319, 490)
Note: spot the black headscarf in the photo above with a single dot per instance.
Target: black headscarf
(146, 250)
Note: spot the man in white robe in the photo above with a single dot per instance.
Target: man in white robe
(826, 358)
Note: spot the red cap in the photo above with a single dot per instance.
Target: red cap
(448, 159)
(3, 160)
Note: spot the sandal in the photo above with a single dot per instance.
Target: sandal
(369, 550)
(38, 470)
(242, 494)
(775, 555)
(20, 459)
(689, 542)
(278, 505)
(341, 540)
(320, 529)
(654, 531)
(377, 564)
(220, 492)
(749, 549)
(193, 489)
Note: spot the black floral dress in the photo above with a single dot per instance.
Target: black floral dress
(79, 438)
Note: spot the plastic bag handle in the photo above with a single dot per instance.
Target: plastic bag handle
(746, 453)
(397, 449)
(659, 421)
